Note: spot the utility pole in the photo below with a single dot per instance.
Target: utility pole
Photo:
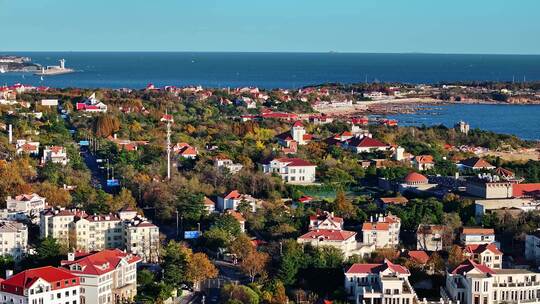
(177, 224)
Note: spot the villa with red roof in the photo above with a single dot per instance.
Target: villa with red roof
(92, 105)
(475, 163)
(487, 254)
(364, 143)
(45, 285)
(232, 199)
(55, 155)
(383, 231)
(108, 276)
(341, 239)
(292, 170)
(23, 146)
(423, 162)
(185, 150)
(325, 220)
(474, 283)
(382, 283)
(297, 136)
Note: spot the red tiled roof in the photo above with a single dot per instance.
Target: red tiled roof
(526, 190)
(424, 159)
(331, 235)
(394, 200)
(504, 172)
(419, 256)
(376, 268)
(298, 123)
(482, 231)
(415, 177)
(375, 226)
(367, 142)
(23, 280)
(476, 249)
(232, 195)
(101, 262)
(475, 162)
(295, 162)
(469, 265)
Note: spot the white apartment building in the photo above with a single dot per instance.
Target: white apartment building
(383, 231)
(80, 231)
(473, 283)
(325, 220)
(384, 283)
(24, 206)
(108, 276)
(13, 239)
(292, 170)
(532, 247)
(55, 154)
(477, 236)
(221, 163)
(45, 285)
(486, 254)
(430, 237)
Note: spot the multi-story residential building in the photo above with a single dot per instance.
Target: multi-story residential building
(325, 220)
(532, 247)
(364, 143)
(430, 237)
(292, 170)
(221, 163)
(108, 276)
(55, 154)
(24, 206)
(80, 231)
(383, 231)
(477, 236)
(297, 136)
(45, 285)
(13, 239)
(142, 239)
(384, 283)
(487, 254)
(473, 283)
(234, 198)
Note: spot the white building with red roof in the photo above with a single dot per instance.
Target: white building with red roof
(487, 254)
(185, 150)
(24, 206)
(423, 162)
(231, 200)
(55, 155)
(341, 239)
(325, 220)
(384, 283)
(45, 285)
(292, 170)
(474, 283)
(382, 231)
(23, 146)
(364, 143)
(92, 105)
(297, 136)
(477, 236)
(108, 276)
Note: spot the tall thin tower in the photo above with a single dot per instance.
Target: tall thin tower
(168, 149)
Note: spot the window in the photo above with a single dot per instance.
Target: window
(476, 286)
(58, 295)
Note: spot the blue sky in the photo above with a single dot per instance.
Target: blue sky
(389, 26)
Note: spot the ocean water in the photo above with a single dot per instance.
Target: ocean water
(271, 70)
(294, 70)
(520, 120)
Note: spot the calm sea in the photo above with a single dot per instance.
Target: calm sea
(272, 70)
(294, 70)
(520, 120)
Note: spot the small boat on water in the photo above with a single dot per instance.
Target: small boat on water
(55, 69)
